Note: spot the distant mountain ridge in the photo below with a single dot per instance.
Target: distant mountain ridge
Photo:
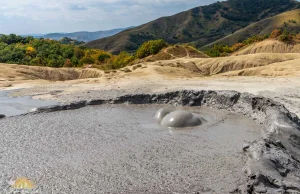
(84, 35)
(198, 26)
(81, 36)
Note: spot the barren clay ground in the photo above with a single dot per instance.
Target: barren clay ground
(272, 75)
(67, 146)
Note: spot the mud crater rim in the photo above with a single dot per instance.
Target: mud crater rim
(279, 127)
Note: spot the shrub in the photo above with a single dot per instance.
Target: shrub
(36, 61)
(103, 57)
(68, 63)
(218, 50)
(74, 61)
(121, 60)
(285, 36)
(87, 60)
(237, 46)
(254, 39)
(276, 33)
(151, 47)
(79, 53)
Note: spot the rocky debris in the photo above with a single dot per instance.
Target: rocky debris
(272, 168)
(126, 70)
(136, 67)
(2, 116)
(246, 147)
(273, 164)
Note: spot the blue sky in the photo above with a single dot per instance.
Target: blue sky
(44, 16)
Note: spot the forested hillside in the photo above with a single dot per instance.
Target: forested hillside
(199, 26)
(289, 21)
(42, 52)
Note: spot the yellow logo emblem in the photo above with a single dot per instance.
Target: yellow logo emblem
(23, 183)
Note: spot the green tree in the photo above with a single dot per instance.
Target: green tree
(79, 53)
(121, 60)
(151, 47)
(103, 57)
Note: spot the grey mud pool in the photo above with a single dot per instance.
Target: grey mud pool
(11, 106)
(122, 149)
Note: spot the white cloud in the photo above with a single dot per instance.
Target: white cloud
(44, 16)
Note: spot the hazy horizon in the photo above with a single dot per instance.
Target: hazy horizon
(42, 17)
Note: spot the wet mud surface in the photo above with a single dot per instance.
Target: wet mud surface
(121, 149)
(11, 106)
(268, 163)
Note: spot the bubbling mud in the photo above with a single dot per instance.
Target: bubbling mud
(161, 113)
(177, 118)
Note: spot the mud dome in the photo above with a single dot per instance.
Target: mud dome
(172, 118)
(76, 151)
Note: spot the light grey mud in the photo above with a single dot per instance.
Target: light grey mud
(120, 149)
(272, 160)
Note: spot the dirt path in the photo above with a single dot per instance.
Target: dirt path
(187, 53)
(174, 57)
(166, 51)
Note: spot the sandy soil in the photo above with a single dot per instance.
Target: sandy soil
(156, 79)
(270, 46)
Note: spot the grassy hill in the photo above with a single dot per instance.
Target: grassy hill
(289, 20)
(200, 26)
(174, 52)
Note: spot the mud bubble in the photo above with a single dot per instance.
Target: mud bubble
(168, 117)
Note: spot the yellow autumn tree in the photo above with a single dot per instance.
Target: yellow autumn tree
(30, 51)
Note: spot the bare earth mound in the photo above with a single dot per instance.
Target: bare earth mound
(269, 46)
(11, 73)
(214, 66)
(177, 51)
(260, 64)
(286, 68)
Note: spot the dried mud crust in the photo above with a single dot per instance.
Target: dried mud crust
(273, 164)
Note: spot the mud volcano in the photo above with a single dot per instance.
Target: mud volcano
(244, 144)
(177, 118)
